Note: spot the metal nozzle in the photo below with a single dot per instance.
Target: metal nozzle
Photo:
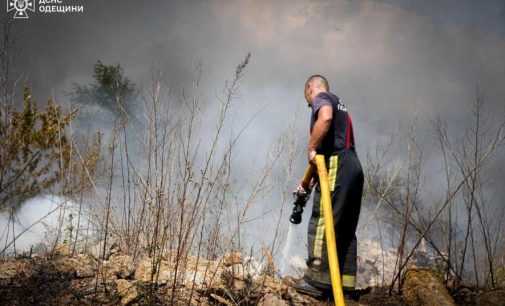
(296, 216)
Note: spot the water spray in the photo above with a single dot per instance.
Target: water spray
(286, 250)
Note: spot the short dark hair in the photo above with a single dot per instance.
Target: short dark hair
(319, 79)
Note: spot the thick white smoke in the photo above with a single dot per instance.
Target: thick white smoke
(41, 222)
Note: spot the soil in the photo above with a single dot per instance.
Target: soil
(78, 280)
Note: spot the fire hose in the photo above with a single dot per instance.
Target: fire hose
(331, 244)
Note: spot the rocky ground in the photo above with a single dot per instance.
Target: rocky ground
(61, 279)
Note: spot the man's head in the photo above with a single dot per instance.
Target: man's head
(314, 85)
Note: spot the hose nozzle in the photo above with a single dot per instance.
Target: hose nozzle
(296, 216)
(301, 196)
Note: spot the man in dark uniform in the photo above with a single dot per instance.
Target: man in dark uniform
(331, 134)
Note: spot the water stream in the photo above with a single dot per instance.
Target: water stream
(286, 250)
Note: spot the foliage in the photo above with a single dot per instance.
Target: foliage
(84, 166)
(35, 150)
(111, 90)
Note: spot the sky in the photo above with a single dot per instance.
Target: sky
(384, 58)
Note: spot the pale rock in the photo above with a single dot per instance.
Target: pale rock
(270, 299)
(144, 271)
(62, 249)
(194, 272)
(128, 291)
(86, 267)
(233, 258)
(249, 267)
(80, 266)
(119, 266)
(424, 286)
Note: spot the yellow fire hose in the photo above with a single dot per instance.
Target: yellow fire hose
(307, 176)
(329, 230)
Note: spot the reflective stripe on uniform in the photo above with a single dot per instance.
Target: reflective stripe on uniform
(348, 281)
(318, 239)
(332, 172)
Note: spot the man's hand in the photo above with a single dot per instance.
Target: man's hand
(301, 194)
(312, 156)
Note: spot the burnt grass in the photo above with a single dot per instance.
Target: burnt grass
(40, 281)
(37, 281)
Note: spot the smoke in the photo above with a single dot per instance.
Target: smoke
(384, 58)
(40, 222)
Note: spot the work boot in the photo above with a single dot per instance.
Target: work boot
(355, 294)
(305, 288)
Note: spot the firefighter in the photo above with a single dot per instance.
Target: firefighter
(331, 134)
